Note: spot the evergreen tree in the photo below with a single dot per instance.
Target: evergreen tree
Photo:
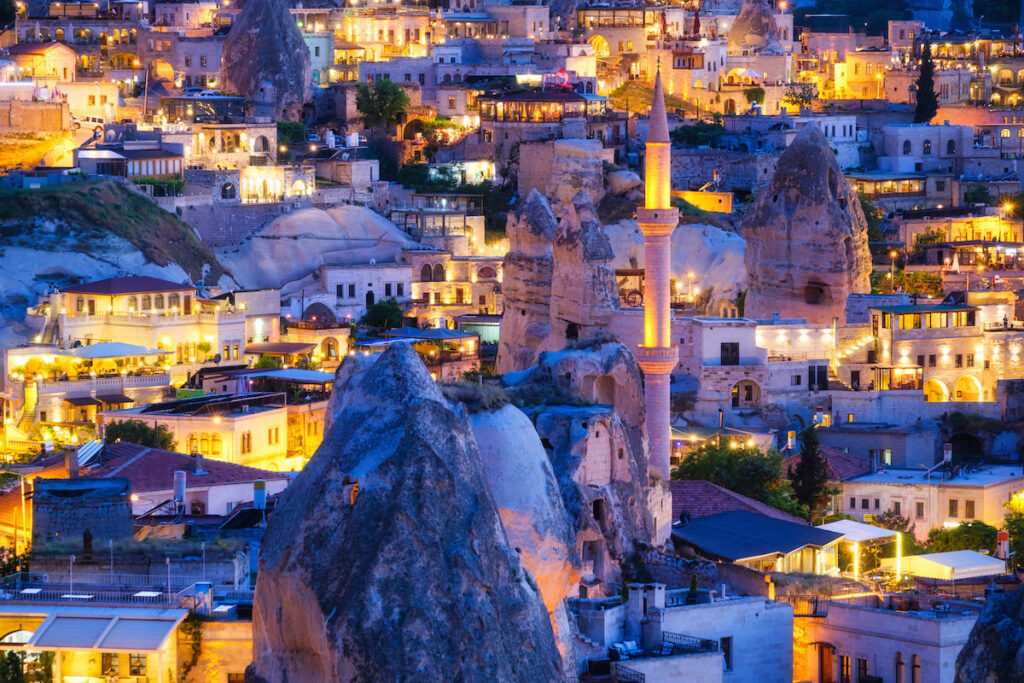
(810, 476)
(927, 100)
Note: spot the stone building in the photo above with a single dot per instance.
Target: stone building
(76, 509)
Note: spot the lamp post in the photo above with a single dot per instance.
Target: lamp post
(892, 269)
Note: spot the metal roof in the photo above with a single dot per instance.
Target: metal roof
(740, 535)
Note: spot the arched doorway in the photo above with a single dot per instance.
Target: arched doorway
(600, 45)
(227, 191)
(967, 388)
(261, 144)
(746, 394)
(935, 391)
(329, 348)
(426, 273)
(439, 273)
(298, 188)
(966, 447)
(318, 312)
(730, 106)
(369, 298)
(412, 129)
(161, 70)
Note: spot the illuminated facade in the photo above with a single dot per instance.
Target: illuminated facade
(657, 219)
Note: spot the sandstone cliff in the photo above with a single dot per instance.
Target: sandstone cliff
(994, 652)
(807, 244)
(558, 282)
(410, 577)
(266, 61)
(754, 30)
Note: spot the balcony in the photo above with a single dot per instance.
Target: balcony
(110, 382)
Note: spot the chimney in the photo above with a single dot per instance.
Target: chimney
(197, 463)
(71, 462)
(947, 452)
(259, 494)
(179, 486)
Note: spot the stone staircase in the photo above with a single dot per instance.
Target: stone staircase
(28, 411)
(49, 335)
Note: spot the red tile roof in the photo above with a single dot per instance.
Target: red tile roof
(702, 499)
(841, 465)
(127, 285)
(151, 469)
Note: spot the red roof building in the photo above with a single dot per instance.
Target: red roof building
(700, 498)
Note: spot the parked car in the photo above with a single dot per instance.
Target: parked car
(96, 122)
(208, 93)
(192, 90)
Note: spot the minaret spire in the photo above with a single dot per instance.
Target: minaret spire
(657, 219)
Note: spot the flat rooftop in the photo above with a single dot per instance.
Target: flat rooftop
(986, 475)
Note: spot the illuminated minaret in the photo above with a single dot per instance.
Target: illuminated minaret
(657, 219)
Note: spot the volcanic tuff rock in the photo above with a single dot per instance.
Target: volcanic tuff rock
(807, 243)
(994, 652)
(266, 61)
(411, 577)
(557, 282)
(521, 480)
(754, 30)
(576, 165)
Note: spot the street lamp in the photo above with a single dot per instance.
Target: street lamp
(892, 269)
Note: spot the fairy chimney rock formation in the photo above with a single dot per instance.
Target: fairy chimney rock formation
(410, 576)
(754, 30)
(266, 61)
(807, 242)
(558, 282)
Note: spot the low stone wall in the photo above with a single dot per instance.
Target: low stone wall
(676, 572)
(34, 117)
(220, 225)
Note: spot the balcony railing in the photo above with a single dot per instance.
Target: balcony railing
(683, 643)
(89, 383)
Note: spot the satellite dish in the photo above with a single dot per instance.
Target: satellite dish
(217, 359)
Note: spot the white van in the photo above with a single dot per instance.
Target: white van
(96, 122)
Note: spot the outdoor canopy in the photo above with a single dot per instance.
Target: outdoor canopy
(112, 350)
(957, 564)
(858, 532)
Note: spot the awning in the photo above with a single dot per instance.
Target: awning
(957, 564)
(116, 398)
(112, 350)
(82, 401)
(296, 375)
(435, 334)
(858, 532)
(279, 348)
(105, 632)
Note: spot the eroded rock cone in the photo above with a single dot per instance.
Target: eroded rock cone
(994, 652)
(266, 61)
(415, 579)
(807, 241)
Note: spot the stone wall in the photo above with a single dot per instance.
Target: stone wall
(737, 171)
(675, 572)
(226, 224)
(226, 649)
(34, 117)
(67, 508)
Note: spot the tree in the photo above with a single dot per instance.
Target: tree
(810, 476)
(383, 315)
(967, 536)
(755, 94)
(743, 469)
(927, 100)
(873, 217)
(11, 668)
(1013, 523)
(138, 432)
(381, 104)
(978, 194)
(799, 95)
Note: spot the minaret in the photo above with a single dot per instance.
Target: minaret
(657, 219)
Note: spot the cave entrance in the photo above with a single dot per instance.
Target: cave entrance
(817, 293)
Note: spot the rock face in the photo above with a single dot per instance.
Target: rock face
(807, 244)
(994, 652)
(599, 456)
(576, 165)
(411, 577)
(754, 30)
(529, 503)
(558, 283)
(266, 61)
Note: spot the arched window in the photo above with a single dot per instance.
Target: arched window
(133, 304)
(906, 148)
(173, 301)
(951, 147)
(438, 273)
(147, 303)
(900, 674)
(1004, 133)
(204, 444)
(19, 636)
(79, 304)
(1020, 132)
(215, 444)
(426, 274)
(487, 273)
(927, 147)
(193, 443)
(158, 301)
(915, 670)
